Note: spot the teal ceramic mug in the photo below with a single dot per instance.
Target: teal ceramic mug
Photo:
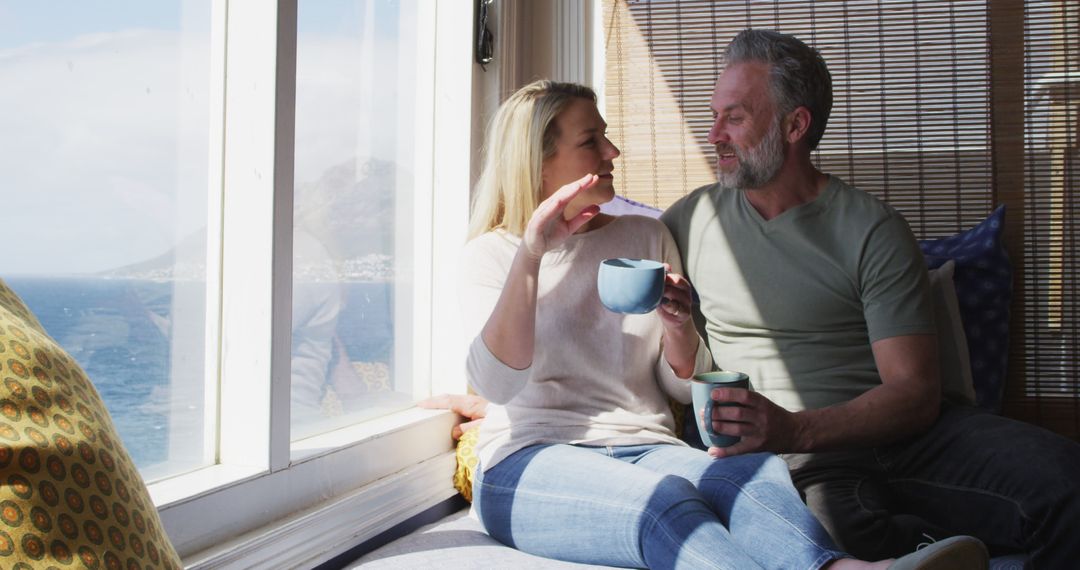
(701, 386)
(628, 285)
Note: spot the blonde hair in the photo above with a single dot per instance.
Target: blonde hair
(521, 135)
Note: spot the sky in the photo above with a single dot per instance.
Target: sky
(103, 162)
(24, 22)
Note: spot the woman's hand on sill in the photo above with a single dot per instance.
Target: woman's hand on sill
(471, 407)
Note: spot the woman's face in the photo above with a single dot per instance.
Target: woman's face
(581, 148)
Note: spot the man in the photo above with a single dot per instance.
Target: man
(819, 292)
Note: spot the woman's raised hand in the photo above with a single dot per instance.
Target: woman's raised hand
(548, 227)
(680, 336)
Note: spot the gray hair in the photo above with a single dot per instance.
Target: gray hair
(798, 74)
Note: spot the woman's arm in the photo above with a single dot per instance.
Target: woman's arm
(510, 330)
(680, 337)
(470, 407)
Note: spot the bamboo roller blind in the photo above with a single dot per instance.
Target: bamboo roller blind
(943, 108)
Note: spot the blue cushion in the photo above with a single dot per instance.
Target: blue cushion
(983, 280)
(620, 206)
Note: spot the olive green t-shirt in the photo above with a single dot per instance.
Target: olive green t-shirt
(796, 301)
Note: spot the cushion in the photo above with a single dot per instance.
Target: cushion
(458, 541)
(467, 460)
(69, 492)
(620, 206)
(983, 279)
(956, 382)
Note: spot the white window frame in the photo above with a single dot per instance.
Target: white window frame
(264, 501)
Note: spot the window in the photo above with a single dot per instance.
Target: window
(945, 109)
(104, 161)
(208, 168)
(1050, 198)
(353, 255)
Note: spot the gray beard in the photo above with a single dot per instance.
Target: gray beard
(757, 165)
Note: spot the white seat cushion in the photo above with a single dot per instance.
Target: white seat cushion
(458, 542)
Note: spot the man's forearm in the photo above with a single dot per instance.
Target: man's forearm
(881, 415)
(907, 401)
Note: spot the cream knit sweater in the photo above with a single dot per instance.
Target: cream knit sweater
(597, 377)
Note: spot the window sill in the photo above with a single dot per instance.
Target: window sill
(318, 534)
(320, 445)
(191, 486)
(360, 468)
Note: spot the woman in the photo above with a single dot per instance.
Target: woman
(579, 461)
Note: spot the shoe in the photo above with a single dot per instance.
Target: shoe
(956, 553)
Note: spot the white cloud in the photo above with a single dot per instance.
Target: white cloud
(104, 161)
(96, 164)
(348, 101)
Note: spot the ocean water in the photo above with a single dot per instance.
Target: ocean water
(119, 331)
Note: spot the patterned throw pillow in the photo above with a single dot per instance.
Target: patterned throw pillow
(983, 279)
(467, 460)
(69, 492)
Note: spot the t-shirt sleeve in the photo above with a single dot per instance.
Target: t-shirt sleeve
(673, 219)
(679, 388)
(894, 286)
(483, 271)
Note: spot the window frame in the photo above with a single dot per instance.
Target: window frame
(272, 499)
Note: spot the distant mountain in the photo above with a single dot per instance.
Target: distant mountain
(191, 253)
(351, 208)
(344, 223)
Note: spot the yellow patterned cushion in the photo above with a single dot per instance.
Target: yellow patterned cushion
(69, 493)
(466, 462)
(678, 413)
(467, 458)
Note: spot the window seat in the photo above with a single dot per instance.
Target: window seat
(458, 541)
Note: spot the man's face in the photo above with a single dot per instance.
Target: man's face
(746, 131)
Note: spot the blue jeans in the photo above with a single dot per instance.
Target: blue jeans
(1008, 483)
(655, 506)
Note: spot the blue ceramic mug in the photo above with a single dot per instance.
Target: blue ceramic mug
(701, 387)
(630, 285)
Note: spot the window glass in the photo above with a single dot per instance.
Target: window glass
(103, 171)
(352, 295)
